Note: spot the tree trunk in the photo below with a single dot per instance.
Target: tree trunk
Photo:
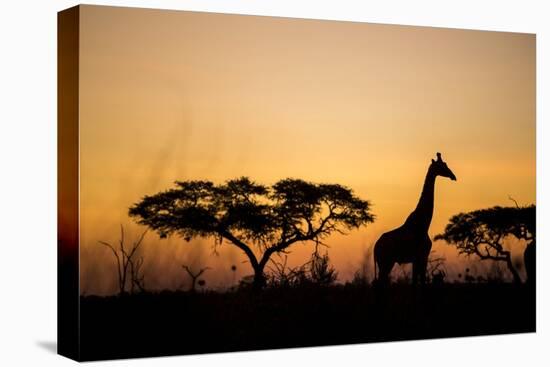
(259, 277)
(529, 259)
(517, 278)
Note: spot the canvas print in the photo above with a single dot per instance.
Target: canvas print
(234, 182)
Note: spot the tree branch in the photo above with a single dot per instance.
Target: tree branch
(247, 250)
(118, 267)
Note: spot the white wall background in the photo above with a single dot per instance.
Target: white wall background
(28, 182)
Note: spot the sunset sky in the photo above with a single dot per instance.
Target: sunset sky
(169, 95)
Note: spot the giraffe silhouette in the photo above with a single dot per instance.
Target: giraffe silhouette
(411, 243)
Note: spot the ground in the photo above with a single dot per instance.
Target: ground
(170, 323)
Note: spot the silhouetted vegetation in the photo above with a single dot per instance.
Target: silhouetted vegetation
(253, 217)
(322, 272)
(128, 264)
(482, 233)
(304, 305)
(299, 316)
(280, 274)
(316, 271)
(436, 269)
(194, 276)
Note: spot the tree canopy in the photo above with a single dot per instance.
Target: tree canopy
(482, 232)
(253, 217)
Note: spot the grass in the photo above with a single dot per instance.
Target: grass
(169, 323)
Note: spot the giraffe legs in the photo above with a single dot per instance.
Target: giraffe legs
(419, 271)
(420, 264)
(384, 270)
(402, 246)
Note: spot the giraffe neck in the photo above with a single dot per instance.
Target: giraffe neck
(421, 217)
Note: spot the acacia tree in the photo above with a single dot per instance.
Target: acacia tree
(483, 232)
(259, 220)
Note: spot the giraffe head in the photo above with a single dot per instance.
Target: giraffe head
(440, 168)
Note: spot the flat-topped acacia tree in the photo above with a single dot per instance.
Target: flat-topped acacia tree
(260, 220)
(483, 233)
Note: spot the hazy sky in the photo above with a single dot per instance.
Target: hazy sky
(167, 95)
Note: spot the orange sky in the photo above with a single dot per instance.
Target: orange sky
(168, 95)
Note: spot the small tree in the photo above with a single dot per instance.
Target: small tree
(321, 271)
(436, 269)
(259, 220)
(127, 263)
(137, 277)
(280, 274)
(483, 232)
(194, 276)
(317, 271)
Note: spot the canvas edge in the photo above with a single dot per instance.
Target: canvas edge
(68, 333)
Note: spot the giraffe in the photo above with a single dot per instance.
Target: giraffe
(411, 243)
